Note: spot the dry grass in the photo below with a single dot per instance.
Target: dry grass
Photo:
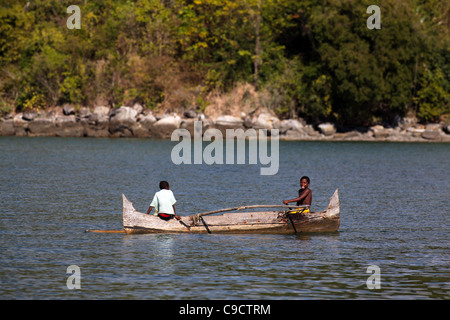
(242, 100)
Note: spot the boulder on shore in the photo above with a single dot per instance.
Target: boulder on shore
(83, 113)
(138, 107)
(295, 135)
(290, 125)
(29, 115)
(225, 122)
(68, 126)
(146, 120)
(188, 124)
(122, 120)
(42, 126)
(143, 126)
(7, 127)
(229, 121)
(266, 121)
(415, 132)
(431, 135)
(327, 129)
(164, 127)
(190, 114)
(68, 110)
(102, 110)
(20, 125)
(380, 132)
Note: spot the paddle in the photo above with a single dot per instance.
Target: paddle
(105, 231)
(184, 224)
(292, 222)
(290, 218)
(206, 226)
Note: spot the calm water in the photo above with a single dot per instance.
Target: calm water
(394, 214)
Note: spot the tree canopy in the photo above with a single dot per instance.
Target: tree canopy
(317, 59)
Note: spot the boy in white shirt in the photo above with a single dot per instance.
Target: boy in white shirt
(164, 203)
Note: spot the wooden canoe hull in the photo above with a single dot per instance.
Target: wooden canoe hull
(266, 222)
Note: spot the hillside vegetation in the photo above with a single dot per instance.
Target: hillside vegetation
(313, 59)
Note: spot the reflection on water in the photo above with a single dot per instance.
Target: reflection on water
(54, 189)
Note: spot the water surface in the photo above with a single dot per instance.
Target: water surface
(394, 214)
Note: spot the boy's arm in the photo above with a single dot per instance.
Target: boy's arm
(303, 196)
(175, 213)
(153, 204)
(292, 200)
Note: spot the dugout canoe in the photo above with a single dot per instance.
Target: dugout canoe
(268, 222)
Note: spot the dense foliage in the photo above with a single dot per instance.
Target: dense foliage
(315, 59)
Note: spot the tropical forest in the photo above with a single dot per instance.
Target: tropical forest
(318, 60)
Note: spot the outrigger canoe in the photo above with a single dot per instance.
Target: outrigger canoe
(268, 222)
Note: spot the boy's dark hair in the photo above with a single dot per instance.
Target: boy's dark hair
(305, 177)
(163, 185)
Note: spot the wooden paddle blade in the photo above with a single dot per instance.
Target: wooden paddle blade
(105, 231)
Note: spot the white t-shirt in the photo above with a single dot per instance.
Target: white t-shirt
(163, 202)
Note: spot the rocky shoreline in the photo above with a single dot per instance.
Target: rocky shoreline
(142, 123)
